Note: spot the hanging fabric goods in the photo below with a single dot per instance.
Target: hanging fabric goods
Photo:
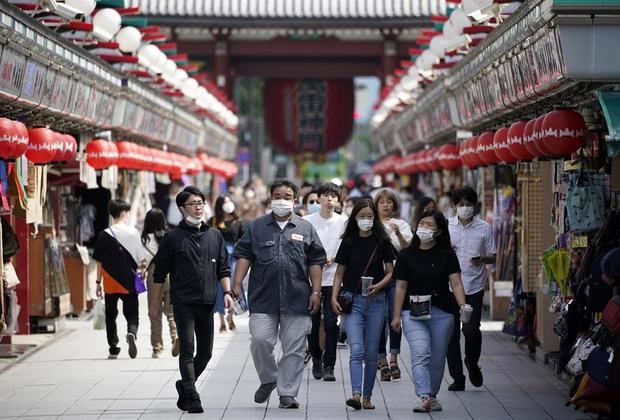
(4, 185)
(16, 184)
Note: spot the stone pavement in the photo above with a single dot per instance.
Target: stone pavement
(72, 379)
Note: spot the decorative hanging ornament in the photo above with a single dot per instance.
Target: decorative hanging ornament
(539, 141)
(8, 138)
(529, 139)
(474, 153)
(486, 148)
(516, 143)
(41, 149)
(448, 156)
(500, 145)
(564, 132)
(101, 154)
(22, 140)
(127, 155)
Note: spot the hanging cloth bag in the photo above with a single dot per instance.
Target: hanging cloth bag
(585, 204)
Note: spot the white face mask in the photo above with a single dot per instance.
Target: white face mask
(426, 235)
(282, 208)
(365, 224)
(228, 207)
(191, 220)
(465, 213)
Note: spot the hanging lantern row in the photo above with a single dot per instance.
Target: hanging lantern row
(556, 134)
(101, 154)
(40, 145)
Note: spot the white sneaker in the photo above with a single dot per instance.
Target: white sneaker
(424, 405)
(435, 405)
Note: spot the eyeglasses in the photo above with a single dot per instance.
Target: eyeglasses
(196, 204)
(313, 201)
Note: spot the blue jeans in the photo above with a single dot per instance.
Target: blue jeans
(395, 337)
(428, 343)
(219, 292)
(364, 325)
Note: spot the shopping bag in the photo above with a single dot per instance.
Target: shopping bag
(585, 204)
(99, 319)
(584, 347)
(139, 283)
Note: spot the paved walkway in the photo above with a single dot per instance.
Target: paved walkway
(71, 378)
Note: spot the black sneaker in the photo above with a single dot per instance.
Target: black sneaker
(328, 374)
(457, 385)
(182, 401)
(475, 374)
(317, 368)
(194, 406)
(263, 392)
(131, 342)
(288, 402)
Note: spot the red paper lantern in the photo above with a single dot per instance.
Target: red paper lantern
(8, 138)
(70, 148)
(500, 145)
(564, 131)
(540, 136)
(101, 154)
(474, 154)
(22, 140)
(529, 139)
(449, 156)
(127, 155)
(486, 148)
(422, 161)
(433, 156)
(516, 143)
(308, 115)
(41, 149)
(59, 147)
(464, 154)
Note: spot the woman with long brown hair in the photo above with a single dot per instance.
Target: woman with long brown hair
(227, 221)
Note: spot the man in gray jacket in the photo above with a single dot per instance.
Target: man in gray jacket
(283, 251)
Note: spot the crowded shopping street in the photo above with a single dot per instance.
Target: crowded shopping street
(317, 209)
(70, 379)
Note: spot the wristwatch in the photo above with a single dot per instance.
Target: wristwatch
(316, 293)
(230, 293)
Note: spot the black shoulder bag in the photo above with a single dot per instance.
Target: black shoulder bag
(344, 299)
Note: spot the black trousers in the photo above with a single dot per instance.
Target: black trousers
(130, 311)
(330, 324)
(193, 319)
(473, 338)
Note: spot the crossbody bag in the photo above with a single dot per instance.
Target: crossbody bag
(345, 299)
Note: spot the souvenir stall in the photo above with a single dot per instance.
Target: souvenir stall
(87, 113)
(534, 110)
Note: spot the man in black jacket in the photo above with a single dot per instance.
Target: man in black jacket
(196, 258)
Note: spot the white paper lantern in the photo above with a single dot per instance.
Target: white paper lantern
(437, 46)
(179, 76)
(459, 20)
(106, 23)
(84, 7)
(169, 68)
(148, 55)
(129, 39)
(189, 87)
(158, 64)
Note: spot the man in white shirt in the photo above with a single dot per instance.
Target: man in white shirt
(330, 226)
(120, 255)
(474, 243)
